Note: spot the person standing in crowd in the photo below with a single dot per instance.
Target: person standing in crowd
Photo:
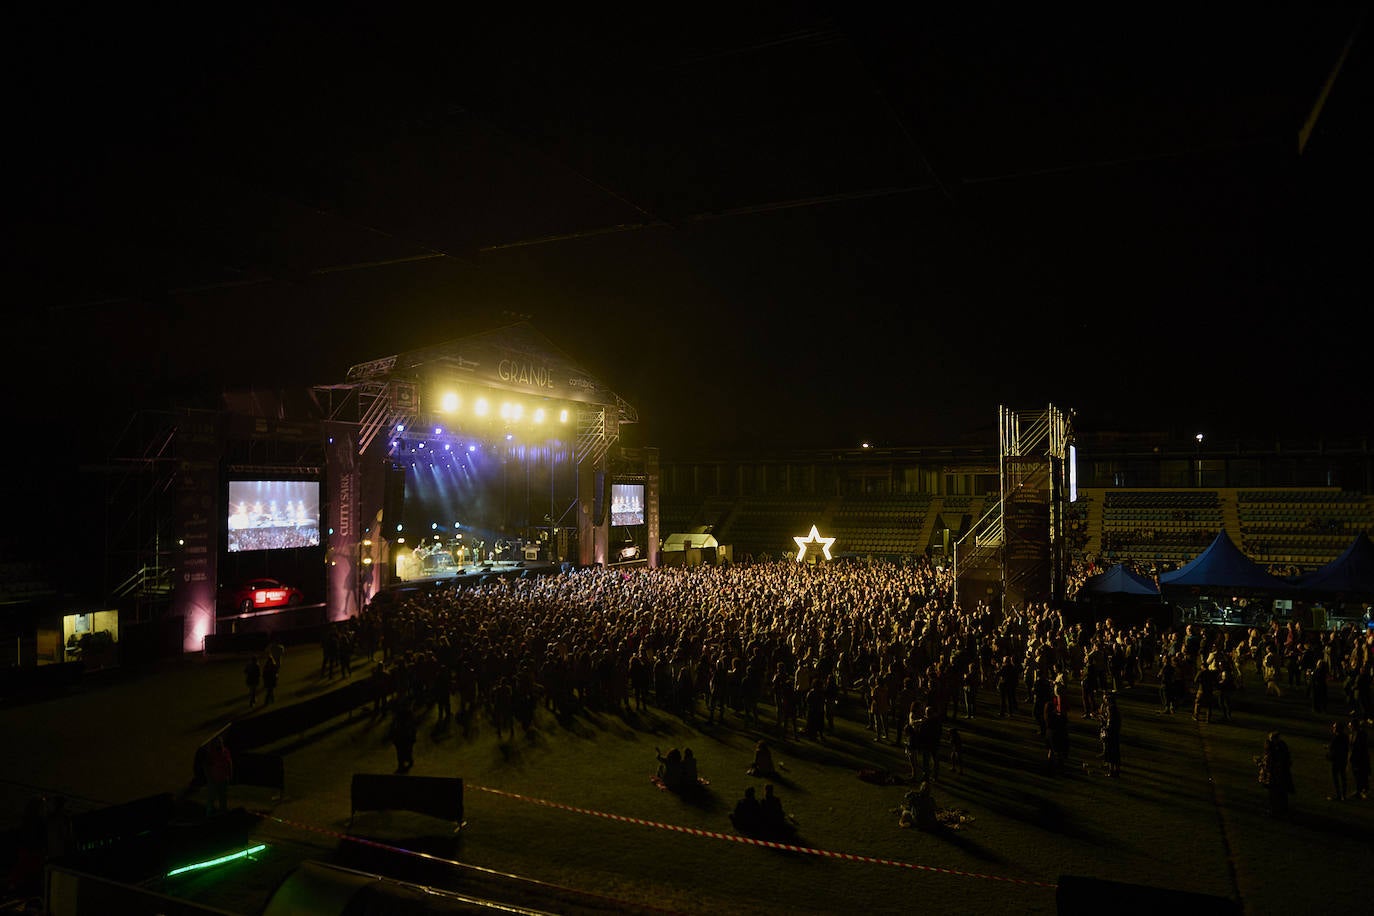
(270, 671)
(1205, 700)
(815, 712)
(1057, 738)
(911, 741)
(403, 732)
(1109, 717)
(928, 736)
(1042, 693)
(1090, 683)
(329, 651)
(275, 650)
(968, 685)
(1226, 685)
(1006, 688)
(1167, 688)
(1338, 755)
(878, 704)
(443, 692)
(1276, 774)
(219, 771)
(1317, 678)
(344, 649)
(252, 676)
(1363, 707)
(381, 682)
(956, 751)
(1359, 757)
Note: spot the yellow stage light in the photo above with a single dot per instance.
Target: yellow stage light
(480, 407)
(539, 415)
(563, 415)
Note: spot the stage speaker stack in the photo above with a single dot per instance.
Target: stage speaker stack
(393, 499)
(601, 498)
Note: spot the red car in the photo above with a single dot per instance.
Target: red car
(262, 594)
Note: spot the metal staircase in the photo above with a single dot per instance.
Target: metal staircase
(383, 406)
(598, 429)
(1019, 540)
(146, 582)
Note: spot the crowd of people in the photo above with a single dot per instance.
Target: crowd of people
(720, 644)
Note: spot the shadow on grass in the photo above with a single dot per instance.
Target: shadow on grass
(1329, 826)
(315, 734)
(960, 841)
(214, 723)
(703, 798)
(1030, 800)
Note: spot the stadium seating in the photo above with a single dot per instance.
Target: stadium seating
(1290, 529)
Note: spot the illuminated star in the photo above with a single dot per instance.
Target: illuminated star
(813, 538)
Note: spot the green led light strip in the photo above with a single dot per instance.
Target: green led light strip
(241, 854)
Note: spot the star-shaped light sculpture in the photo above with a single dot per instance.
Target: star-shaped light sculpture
(813, 538)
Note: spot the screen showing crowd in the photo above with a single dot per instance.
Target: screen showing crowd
(627, 504)
(273, 514)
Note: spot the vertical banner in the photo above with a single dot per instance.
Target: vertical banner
(196, 526)
(344, 526)
(591, 534)
(651, 488)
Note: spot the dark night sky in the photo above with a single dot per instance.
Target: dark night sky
(789, 225)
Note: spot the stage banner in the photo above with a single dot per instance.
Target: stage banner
(197, 525)
(343, 530)
(651, 503)
(516, 358)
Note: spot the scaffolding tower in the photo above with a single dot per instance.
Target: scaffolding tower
(1016, 552)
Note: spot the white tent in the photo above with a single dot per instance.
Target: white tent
(689, 539)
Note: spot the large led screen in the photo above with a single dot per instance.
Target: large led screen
(627, 504)
(273, 514)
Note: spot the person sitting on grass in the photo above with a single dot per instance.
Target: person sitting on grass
(775, 823)
(763, 761)
(748, 814)
(691, 781)
(670, 769)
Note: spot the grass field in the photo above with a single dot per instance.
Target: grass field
(571, 805)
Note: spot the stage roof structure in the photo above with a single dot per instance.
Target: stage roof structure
(444, 382)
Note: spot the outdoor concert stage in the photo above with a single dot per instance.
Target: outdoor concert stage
(491, 455)
(477, 573)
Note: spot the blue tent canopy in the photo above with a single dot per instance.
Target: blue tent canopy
(1120, 581)
(1222, 565)
(1351, 573)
